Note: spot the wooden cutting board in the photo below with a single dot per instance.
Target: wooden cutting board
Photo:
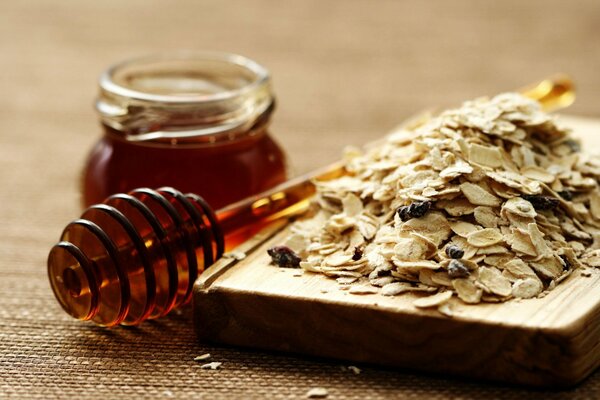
(551, 341)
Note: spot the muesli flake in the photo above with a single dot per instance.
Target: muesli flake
(489, 201)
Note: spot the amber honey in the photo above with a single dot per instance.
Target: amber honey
(134, 257)
(222, 173)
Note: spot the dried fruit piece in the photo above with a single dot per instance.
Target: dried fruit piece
(358, 253)
(284, 257)
(566, 194)
(453, 251)
(542, 202)
(457, 269)
(414, 210)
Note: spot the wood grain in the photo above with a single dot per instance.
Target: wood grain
(549, 341)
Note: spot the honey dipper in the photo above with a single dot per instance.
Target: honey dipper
(136, 255)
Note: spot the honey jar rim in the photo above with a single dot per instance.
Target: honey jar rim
(240, 94)
(107, 83)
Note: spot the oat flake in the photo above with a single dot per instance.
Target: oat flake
(497, 179)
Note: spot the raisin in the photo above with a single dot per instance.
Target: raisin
(456, 269)
(403, 213)
(358, 253)
(382, 272)
(453, 251)
(414, 210)
(566, 194)
(284, 257)
(541, 202)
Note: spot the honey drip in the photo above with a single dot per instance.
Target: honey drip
(136, 256)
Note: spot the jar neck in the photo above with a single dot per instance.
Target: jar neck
(233, 137)
(185, 98)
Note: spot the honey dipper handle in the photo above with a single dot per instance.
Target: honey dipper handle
(553, 93)
(290, 198)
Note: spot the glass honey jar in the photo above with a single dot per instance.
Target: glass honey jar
(197, 121)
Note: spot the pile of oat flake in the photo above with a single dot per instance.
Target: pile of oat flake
(488, 202)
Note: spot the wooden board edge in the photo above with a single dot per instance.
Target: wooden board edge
(521, 356)
(212, 273)
(562, 356)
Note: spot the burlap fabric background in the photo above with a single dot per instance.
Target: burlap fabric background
(345, 72)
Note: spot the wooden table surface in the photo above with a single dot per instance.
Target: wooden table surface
(345, 72)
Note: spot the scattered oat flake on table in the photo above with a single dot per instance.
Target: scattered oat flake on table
(236, 255)
(490, 201)
(355, 370)
(317, 393)
(213, 365)
(363, 289)
(202, 357)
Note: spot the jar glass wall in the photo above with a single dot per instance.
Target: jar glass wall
(194, 121)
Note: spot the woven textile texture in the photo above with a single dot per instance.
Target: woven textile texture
(345, 72)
